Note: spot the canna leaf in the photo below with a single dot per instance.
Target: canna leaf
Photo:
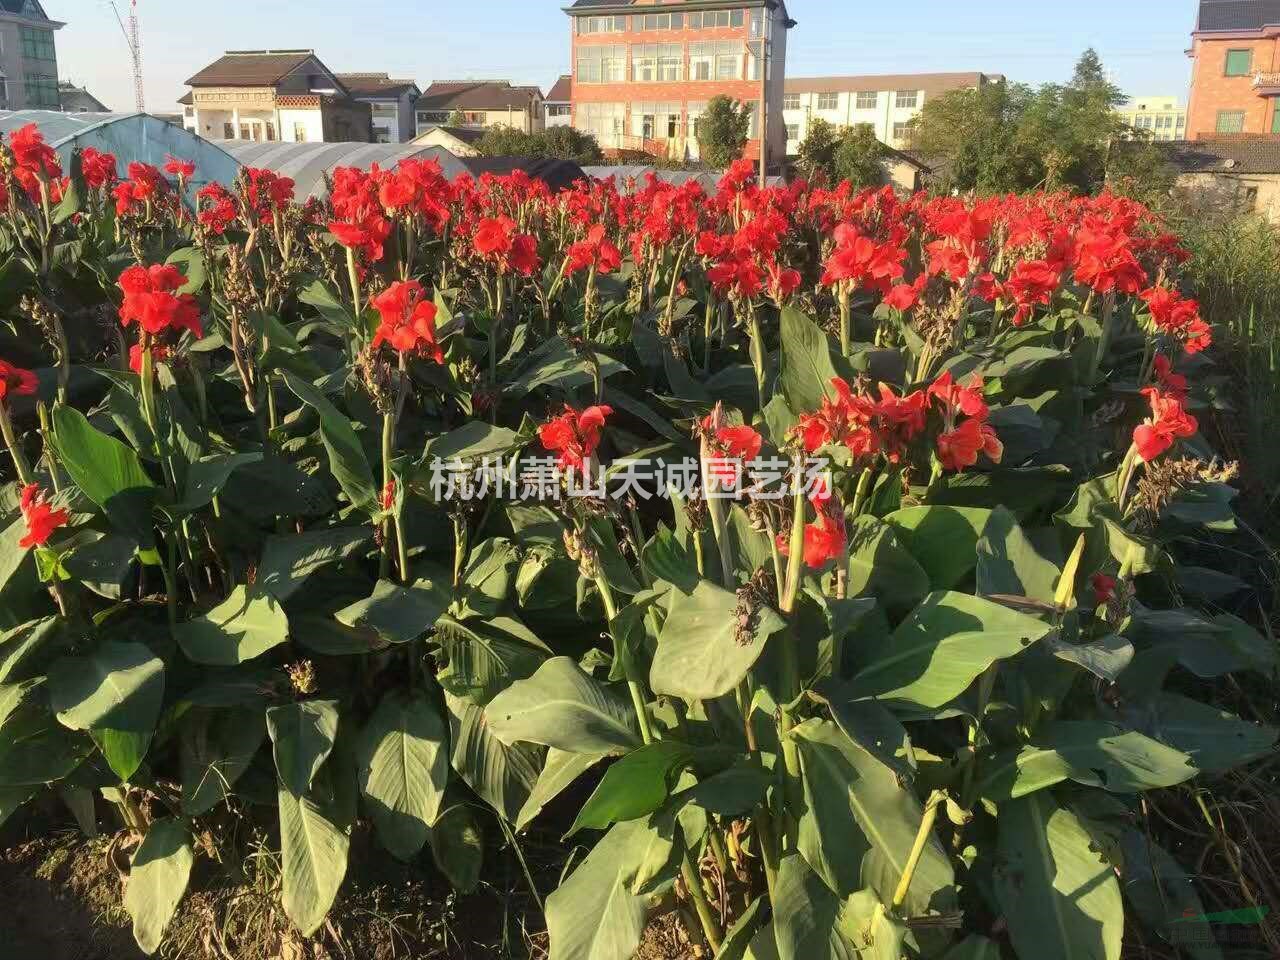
(158, 875)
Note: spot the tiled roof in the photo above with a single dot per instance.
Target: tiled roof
(250, 69)
(187, 99)
(930, 83)
(18, 6)
(1238, 14)
(562, 91)
(375, 85)
(588, 4)
(1237, 155)
(476, 95)
(465, 134)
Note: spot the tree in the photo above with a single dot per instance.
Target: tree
(722, 130)
(508, 142)
(567, 143)
(818, 151)
(457, 119)
(563, 143)
(860, 157)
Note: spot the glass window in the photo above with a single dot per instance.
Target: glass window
(602, 25)
(715, 18)
(41, 90)
(716, 60)
(909, 99)
(655, 121)
(657, 62)
(602, 64)
(757, 23)
(900, 131)
(229, 132)
(271, 130)
(828, 101)
(244, 132)
(37, 44)
(1230, 121)
(558, 110)
(793, 131)
(1182, 122)
(736, 18)
(299, 133)
(791, 101)
(658, 21)
(1239, 63)
(866, 100)
(602, 120)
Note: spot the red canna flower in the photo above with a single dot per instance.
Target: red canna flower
(862, 261)
(1174, 384)
(265, 192)
(574, 435)
(32, 154)
(957, 399)
(98, 168)
(595, 251)
(1104, 258)
(825, 539)
(1104, 588)
(159, 354)
(1179, 317)
(1168, 422)
(16, 382)
(782, 282)
(737, 275)
(408, 320)
(389, 495)
(40, 516)
(959, 448)
(497, 242)
(151, 300)
(904, 296)
(359, 223)
(1031, 283)
(182, 169)
(217, 209)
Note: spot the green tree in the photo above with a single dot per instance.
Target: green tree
(818, 151)
(563, 143)
(457, 119)
(509, 142)
(722, 130)
(860, 157)
(566, 143)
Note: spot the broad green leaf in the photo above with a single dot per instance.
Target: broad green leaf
(12, 800)
(403, 767)
(880, 566)
(119, 686)
(318, 294)
(191, 260)
(943, 539)
(1009, 563)
(487, 579)
(502, 775)
(1094, 753)
(593, 915)
(1161, 892)
(288, 560)
(313, 859)
(207, 477)
(79, 801)
(974, 948)
(457, 847)
(869, 926)
(1060, 896)
(851, 795)
(347, 459)
(562, 706)
(302, 735)
(807, 369)
(806, 916)
(245, 625)
(1106, 658)
(486, 657)
(560, 769)
(942, 647)
(701, 654)
(635, 786)
(34, 748)
(556, 363)
(102, 565)
(400, 614)
(106, 471)
(215, 748)
(1214, 739)
(737, 939)
(474, 440)
(12, 556)
(26, 649)
(158, 876)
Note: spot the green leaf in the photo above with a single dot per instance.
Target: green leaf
(12, 556)
(942, 647)
(106, 471)
(474, 440)
(458, 847)
(593, 915)
(191, 260)
(302, 735)
(1094, 753)
(1009, 563)
(347, 460)
(313, 859)
(851, 795)
(1059, 895)
(403, 766)
(563, 707)
(806, 916)
(26, 650)
(1161, 892)
(560, 769)
(215, 748)
(880, 566)
(943, 539)
(400, 614)
(867, 923)
(737, 939)
(486, 656)
(102, 565)
(502, 775)
(974, 948)
(158, 875)
(635, 786)
(207, 477)
(288, 560)
(34, 748)
(1214, 739)
(488, 578)
(807, 369)
(555, 363)
(700, 655)
(242, 627)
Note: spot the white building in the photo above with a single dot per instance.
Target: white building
(557, 107)
(886, 102)
(390, 101)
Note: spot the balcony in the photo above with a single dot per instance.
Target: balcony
(1267, 84)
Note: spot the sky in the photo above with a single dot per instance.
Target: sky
(1142, 42)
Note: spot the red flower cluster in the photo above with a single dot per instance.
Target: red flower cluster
(574, 435)
(595, 250)
(1179, 317)
(40, 517)
(159, 354)
(265, 192)
(408, 320)
(145, 183)
(359, 223)
(960, 442)
(98, 168)
(1104, 257)
(825, 539)
(498, 242)
(16, 382)
(1031, 284)
(867, 426)
(860, 260)
(151, 300)
(216, 208)
(417, 188)
(1169, 382)
(1168, 422)
(34, 162)
(183, 170)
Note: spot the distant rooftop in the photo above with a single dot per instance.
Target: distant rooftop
(375, 85)
(476, 95)
(562, 91)
(1234, 15)
(930, 83)
(250, 68)
(1238, 155)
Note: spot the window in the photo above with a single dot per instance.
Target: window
(1182, 122)
(4, 93)
(660, 62)
(228, 132)
(299, 133)
(558, 110)
(605, 64)
(271, 131)
(757, 23)
(716, 18)
(602, 120)
(1144, 123)
(1275, 122)
(186, 111)
(433, 116)
(828, 101)
(793, 132)
(245, 133)
(907, 99)
(1239, 63)
(658, 21)
(716, 60)
(1164, 123)
(901, 131)
(1247, 197)
(655, 121)
(1230, 121)
(602, 25)
(791, 101)
(866, 100)
(37, 44)
(41, 90)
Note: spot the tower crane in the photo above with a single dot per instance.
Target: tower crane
(134, 42)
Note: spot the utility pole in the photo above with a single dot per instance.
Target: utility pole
(764, 100)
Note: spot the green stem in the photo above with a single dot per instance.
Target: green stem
(706, 333)
(354, 276)
(388, 452)
(459, 548)
(917, 849)
(756, 337)
(1104, 339)
(846, 320)
(693, 883)
(46, 434)
(637, 695)
(168, 568)
(20, 465)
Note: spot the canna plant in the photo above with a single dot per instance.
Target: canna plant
(826, 542)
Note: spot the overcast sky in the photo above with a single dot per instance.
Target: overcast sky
(1143, 42)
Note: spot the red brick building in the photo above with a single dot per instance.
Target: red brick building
(1235, 82)
(644, 70)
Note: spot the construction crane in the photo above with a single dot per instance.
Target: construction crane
(134, 42)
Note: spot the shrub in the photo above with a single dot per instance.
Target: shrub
(722, 131)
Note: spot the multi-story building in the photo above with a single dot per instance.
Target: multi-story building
(1161, 118)
(28, 57)
(644, 70)
(557, 107)
(480, 103)
(886, 102)
(286, 95)
(391, 103)
(1235, 79)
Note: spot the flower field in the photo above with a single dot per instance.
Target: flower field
(808, 559)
